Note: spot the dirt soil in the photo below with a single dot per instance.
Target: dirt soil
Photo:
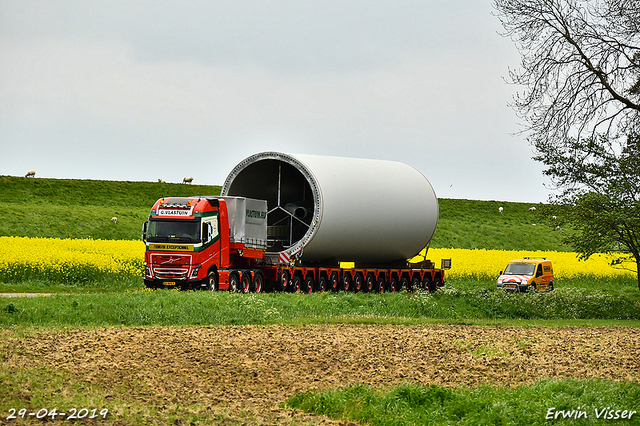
(242, 374)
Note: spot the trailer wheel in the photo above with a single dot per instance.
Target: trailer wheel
(323, 284)
(404, 284)
(394, 287)
(358, 282)
(380, 285)
(234, 282)
(297, 283)
(415, 283)
(245, 282)
(308, 285)
(212, 281)
(437, 283)
(258, 282)
(284, 281)
(346, 282)
(370, 282)
(333, 282)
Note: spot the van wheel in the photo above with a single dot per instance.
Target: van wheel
(550, 286)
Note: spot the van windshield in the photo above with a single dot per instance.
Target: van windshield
(520, 268)
(174, 231)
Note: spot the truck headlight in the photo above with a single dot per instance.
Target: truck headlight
(147, 271)
(194, 272)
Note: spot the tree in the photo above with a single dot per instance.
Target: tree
(580, 66)
(580, 70)
(600, 197)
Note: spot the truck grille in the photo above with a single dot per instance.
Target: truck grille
(171, 273)
(170, 266)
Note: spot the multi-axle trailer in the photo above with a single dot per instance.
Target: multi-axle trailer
(298, 223)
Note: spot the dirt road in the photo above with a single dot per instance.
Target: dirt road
(234, 370)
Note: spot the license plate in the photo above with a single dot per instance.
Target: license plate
(511, 286)
(169, 283)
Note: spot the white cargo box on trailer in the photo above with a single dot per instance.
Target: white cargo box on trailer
(247, 221)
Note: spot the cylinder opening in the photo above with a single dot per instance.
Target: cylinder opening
(289, 196)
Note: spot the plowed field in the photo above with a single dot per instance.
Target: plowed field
(240, 375)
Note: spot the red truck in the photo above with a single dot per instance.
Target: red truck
(219, 243)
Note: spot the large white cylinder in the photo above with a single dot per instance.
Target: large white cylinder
(345, 209)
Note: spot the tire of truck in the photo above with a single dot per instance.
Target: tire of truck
(404, 284)
(426, 282)
(309, 285)
(394, 285)
(283, 284)
(346, 282)
(234, 282)
(415, 283)
(436, 284)
(380, 285)
(333, 282)
(245, 282)
(258, 282)
(358, 283)
(550, 286)
(323, 284)
(212, 281)
(370, 282)
(297, 284)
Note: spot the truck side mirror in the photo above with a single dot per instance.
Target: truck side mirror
(143, 237)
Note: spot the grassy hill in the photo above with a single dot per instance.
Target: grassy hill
(70, 208)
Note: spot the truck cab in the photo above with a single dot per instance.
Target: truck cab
(527, 274)
(191, 242)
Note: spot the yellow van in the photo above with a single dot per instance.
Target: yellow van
(527, 274)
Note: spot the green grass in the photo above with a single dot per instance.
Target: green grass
(470, 224)
(72, 208)
(530, 404)
(462, 301)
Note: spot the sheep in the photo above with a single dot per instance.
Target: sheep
(30, 173)
(161, 180)
(114, 219)
(500, 209)
(532, 209)
(187, 180)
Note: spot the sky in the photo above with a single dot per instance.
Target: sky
(147, 90)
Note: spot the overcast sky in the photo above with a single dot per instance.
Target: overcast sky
(141, 90)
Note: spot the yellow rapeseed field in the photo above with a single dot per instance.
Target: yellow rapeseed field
(68, 259)
(488, 263)
(87, 259)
